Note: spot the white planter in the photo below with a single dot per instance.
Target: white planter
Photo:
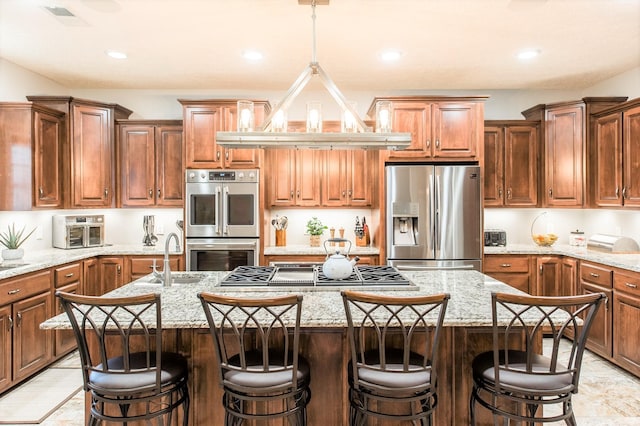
(12, 254)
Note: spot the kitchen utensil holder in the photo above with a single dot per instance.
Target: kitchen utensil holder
(281, 237)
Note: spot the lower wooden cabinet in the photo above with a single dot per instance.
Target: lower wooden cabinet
(599, 279)
(67, 278)
(139, 266)
(626, 317)
(514, 270)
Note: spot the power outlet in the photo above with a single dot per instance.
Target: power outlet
(38, 233)
(160, 229)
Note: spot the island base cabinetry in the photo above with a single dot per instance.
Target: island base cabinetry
(327, 351)
(626, 314)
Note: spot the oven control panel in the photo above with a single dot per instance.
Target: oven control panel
(244, 175)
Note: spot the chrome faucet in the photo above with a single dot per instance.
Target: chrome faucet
(165, 276)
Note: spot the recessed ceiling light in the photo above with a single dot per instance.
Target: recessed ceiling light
(116, 55)
(390, 55)
(252, 55)
(528, 54)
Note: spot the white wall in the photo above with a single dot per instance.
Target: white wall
(125, 225)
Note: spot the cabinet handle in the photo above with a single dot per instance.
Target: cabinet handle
(106, 192)
(509, 194)
(12, 292)
(226, 155)
(119, 269)
(19, 319)
(350, 193)
(594, 275)
(617, 192)
(41, 192)
(437, 143)
(550, 193)
(158, 193)
(344, 193)
(217, 155)
(428, 143)
(10, 323)
(631, 285)
(625, 193)
(69, 275)
(150, 193)
(499, 192)
(505, 265)
(291, 194)
(298, 193)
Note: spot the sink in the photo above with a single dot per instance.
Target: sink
(174, 281)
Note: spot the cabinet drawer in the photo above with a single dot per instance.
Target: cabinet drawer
(506, 264)
(15, 289)
(629, 284)
(67, 274)
(596, 274)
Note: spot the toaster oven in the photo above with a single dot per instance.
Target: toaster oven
(495, 238)
(71, 232)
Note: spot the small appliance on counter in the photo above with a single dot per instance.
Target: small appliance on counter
(495, 238)
(71, 232)
(612, 244)
(577, 239)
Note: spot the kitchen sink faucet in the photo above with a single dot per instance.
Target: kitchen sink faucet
(165, 275)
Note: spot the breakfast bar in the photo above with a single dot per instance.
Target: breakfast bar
(467, 332)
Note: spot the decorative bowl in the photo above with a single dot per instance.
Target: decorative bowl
(544, 240)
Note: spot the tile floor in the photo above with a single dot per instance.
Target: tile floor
(608, 396)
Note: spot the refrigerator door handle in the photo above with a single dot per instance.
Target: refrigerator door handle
(432, 218)
(436, 215)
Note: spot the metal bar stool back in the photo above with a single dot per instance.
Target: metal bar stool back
(256, 342)
(128, 375)
(394, 353)
(520, 376)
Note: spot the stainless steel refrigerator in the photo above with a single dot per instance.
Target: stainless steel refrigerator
(433, 217)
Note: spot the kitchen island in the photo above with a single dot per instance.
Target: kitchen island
(323, 341)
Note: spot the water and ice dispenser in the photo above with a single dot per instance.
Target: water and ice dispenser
(405, 223)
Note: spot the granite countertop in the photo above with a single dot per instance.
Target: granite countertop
(43, 259)
(470, 303)
(629, 261)
(292, 250)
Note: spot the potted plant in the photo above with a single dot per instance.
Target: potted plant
(12, 240)
(315, 229)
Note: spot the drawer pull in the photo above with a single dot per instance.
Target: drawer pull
(505, 265)
(11, 292)
(594, 275)
(69, 275)
(630, 285)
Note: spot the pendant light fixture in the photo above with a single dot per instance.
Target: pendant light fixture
(359, 135)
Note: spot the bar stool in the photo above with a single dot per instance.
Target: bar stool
(394, 350)
(123, 366)
(256, 343)
(514, 384)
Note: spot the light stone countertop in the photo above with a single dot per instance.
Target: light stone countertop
(629, 261)
(470, 303)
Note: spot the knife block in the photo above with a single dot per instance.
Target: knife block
(281, 237)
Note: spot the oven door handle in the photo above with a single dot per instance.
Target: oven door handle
(217, 209)
(222, 245)
(225, 219)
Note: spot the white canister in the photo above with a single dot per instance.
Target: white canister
(576, 238)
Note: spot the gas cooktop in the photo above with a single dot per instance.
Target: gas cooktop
(311, 275)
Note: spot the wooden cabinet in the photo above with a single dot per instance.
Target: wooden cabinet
(566, 133)
(150, 166)
(89, 143)
(626, 317)
(615, 157)
(511, 163)
(110, 275)
(348, 178)
(599, 279)
(446, 128)
(549, 278)
(30, 180)
(67, 278)
(25, 303)
(514, 270)
(202, 119)
(139, 266)
(294, 178)
(90, 277)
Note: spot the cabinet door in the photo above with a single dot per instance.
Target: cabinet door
(31, 345)
(599, 338)
(281, 164)
(111, 273)
(241, 157)
(92, 149)
(520, 166)
(335, 181)
(414, 118)
(91, 278)
(139, 266)
(169, 166)
(493, 166)
(136, 146)
(200, 127)
(361, 166)
(626, 317)
(308, 178)
(6, 321)
(47, 162)
(549, 281)
(564, 156)
(607, 164)
(631, 161)
(455, 130)
(64, 340)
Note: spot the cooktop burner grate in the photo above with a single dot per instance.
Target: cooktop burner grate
(362, 275)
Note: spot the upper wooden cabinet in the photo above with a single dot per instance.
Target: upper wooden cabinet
(89, 143)
(511, 163)
(348, 178)
(30, 180)
(150, 166)
(443, 128)
(566, 135)
(202, 119)
(615, 157)
(294, 178)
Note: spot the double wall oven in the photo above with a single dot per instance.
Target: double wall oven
(222, 227)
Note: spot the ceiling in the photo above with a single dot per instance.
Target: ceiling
(445, 44)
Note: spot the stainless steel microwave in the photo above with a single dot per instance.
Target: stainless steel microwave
(70, 232)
